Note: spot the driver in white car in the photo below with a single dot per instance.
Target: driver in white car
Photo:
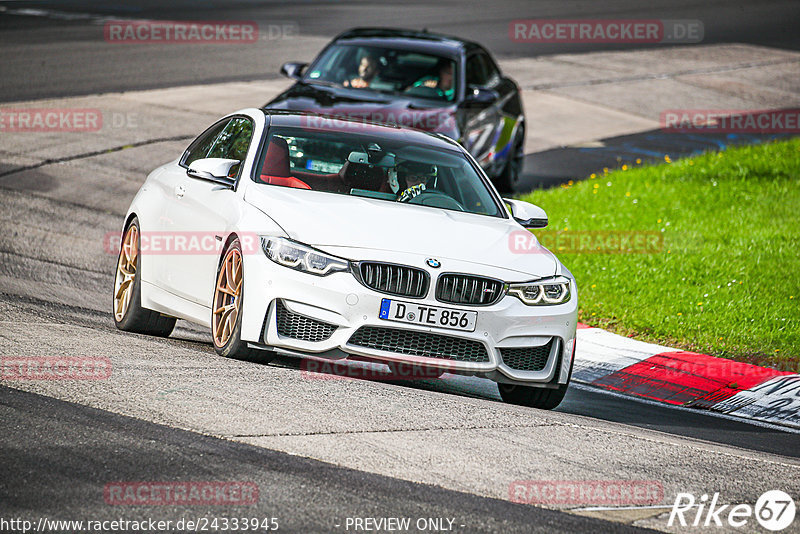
(417, 177)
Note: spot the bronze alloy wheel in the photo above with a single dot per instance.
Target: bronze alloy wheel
(227, 297)
(126, 272)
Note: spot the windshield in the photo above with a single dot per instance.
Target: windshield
(386, 70)
(373, 166)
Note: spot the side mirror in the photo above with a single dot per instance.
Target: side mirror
(527, 214)
(480, 96)
(293, 69)
(217, 170)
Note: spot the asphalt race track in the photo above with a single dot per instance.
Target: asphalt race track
(319, 450)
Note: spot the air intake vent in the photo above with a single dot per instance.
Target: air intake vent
(420, 344)
(399, 280)
(469, 290)
(527, 358)
(301, 327)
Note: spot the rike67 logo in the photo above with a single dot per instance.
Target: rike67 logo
(774, 510)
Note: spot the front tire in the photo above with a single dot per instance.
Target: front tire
(508, 181)
(226, 316)
(128, 312)
(543, 398)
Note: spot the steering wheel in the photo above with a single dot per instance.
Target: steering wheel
(437, 199)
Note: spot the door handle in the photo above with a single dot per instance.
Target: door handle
(180, 191)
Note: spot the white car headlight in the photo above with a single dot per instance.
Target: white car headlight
(544, 292)
(301, 257)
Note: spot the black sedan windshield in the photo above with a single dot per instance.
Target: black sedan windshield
(386, 70)
(368, 165)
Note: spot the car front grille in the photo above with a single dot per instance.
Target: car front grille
(467, 289)
(527, 358)
(301, 327)
(400, 280)
(420, 344)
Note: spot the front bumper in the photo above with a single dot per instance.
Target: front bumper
(340, 301)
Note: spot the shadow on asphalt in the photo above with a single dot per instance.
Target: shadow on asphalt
(557, 166)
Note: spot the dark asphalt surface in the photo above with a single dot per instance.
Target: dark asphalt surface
(598, 404)
(64, 53)
(556, 166)
(58, 456)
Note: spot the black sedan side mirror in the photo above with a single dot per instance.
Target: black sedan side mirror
(293, 69)
(480, 96)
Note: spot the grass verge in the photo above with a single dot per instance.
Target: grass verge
(700, 254)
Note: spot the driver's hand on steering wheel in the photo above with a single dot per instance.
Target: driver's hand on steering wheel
(411, 192)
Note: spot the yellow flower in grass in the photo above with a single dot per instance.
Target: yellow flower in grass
(667, 159)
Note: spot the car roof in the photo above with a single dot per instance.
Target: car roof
(301, 119)
(422, 41)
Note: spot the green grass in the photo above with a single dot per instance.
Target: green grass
(726, 281)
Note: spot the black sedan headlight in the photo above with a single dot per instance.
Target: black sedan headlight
(302, 257)
(545, 292)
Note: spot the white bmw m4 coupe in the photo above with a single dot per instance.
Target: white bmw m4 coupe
(304, 235)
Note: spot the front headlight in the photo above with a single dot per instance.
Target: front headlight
(543, 292)
(301, 257)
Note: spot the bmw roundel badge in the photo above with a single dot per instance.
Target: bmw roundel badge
(433, 263)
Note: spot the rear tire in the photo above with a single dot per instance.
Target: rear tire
(127, 302)
(226, 316)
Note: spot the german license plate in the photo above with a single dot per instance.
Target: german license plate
(424, 315)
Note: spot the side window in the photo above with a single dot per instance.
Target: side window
(200, 147)
(481, 71)
(492, 72)
(476, 71)
(234, 140)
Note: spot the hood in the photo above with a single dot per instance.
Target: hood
(332, 221)
(367, 105)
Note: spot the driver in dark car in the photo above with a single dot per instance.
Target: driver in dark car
(443, 82)
(416, 177)
(368, 68)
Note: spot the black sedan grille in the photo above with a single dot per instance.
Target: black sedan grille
(468, 289)
(400, 280)
(301, 327)
(527, 358)
(420, 344)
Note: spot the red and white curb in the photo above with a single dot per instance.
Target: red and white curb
(662, 374)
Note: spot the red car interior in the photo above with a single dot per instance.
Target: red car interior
(277, 171)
